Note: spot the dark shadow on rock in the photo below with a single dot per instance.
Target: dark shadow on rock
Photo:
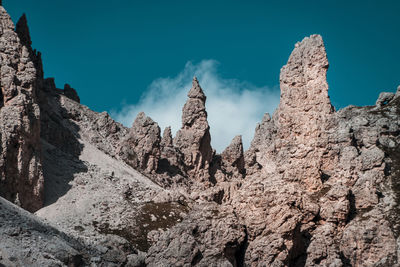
(240, 254)
(298, 253)
(60, 147)
(164, 166)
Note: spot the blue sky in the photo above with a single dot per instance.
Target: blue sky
(114, 52)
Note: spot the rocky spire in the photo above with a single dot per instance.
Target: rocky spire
(304, 89)
(304, 111)
(193, 140)
(166, 140)
(195, 107)
(71, 93)
(232, 157)
(141, 148)
(22, 30)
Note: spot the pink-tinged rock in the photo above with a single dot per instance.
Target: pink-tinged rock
(193, 140)
(141, 148)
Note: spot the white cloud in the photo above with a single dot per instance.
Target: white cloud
(234, 107)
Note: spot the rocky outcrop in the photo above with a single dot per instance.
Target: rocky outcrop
(21, 178)
(193, 140)
(230, 164)
(233, 157)
(141, 148)
(209, 236)
(170, 158)
(71, 93)
(257, 155)
(315, 175)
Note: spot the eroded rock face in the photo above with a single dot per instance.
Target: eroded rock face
(141, 148)
(193, 140)
(21, 178)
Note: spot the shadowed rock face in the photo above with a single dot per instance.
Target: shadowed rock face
(21, 178)
(315, 188)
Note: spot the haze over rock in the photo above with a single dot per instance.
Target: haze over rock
(317, 187)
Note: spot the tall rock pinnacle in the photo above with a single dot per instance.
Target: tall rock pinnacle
(193, 139)
(194, 108)
(233, 156)
(304, 89)
(22, 30)
(21, 177)
(304, 108)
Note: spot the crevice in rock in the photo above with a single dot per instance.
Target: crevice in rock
(219, 196)
(241, 252)
(353, 210)
(197, 258)
(324, 176)
(345, 261)
(1, 97)
(298, 254)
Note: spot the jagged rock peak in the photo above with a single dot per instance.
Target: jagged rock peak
(196, 91)
(234, 150)
(71, 93)
(22, 30)
(193, 140)
(141, 148)
(142, 120)
(307, 61)
(166, 140)
(5, 21)
(195, 107)
(303, 78)
(233, 155)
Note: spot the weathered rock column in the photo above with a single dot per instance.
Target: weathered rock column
(193, 140)
(303, 111)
